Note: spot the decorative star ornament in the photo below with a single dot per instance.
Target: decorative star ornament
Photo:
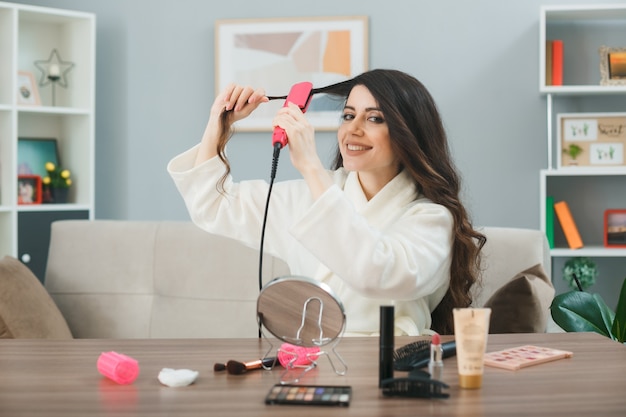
(54, 69)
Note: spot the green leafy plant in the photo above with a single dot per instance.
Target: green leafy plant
(573, 151)
(580, 273)
(579, 311)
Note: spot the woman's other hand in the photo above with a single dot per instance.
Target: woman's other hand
(239, 101)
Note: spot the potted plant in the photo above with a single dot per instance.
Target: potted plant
(57, 183)
(579, 311)
(580, 273)
(573, 151)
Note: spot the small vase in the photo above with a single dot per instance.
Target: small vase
(59, 195)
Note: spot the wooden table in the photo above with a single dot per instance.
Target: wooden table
(59, 378)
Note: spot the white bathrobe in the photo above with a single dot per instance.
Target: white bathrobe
(392, 250)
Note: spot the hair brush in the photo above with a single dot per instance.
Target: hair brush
(417, 354)
(416, 385)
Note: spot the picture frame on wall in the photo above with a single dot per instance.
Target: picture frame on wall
(615, 228)
(34, 153)
(27, 90)
(29, 189)
(612, 66)
(591, 140)
(274, 54)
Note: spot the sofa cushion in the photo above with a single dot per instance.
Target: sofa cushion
(26, 308)
(508, 251)
(153, 279)
(522, 305)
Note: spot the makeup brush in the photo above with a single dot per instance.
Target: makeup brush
(218, 367)
(238, 368)
(417, 354)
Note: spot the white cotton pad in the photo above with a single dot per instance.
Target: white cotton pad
(177, 377)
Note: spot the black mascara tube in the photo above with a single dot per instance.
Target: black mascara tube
(386, 343)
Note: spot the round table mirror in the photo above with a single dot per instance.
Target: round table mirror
(301, 311)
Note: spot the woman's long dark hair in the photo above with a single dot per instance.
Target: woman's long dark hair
(419, 141)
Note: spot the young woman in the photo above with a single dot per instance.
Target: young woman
(384, 226)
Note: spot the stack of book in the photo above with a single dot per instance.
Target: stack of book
(554, 62)
(568, 225)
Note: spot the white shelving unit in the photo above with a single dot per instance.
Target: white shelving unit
(28, 34)
(583, 29)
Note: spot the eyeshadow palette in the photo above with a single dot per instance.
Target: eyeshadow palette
(309, 395)
(523, 356)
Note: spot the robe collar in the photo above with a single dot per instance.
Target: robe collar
(397, 193)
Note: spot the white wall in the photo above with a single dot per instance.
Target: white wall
(479, 59)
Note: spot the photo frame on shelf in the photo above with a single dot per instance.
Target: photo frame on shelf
(615, 228)
(34, 153)
(29, 189)
(27, 90)
(612, 66)
(591, 140)
(274, 54)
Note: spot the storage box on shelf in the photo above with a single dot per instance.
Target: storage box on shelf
(29, 34)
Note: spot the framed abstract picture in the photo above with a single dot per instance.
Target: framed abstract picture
(274, 54)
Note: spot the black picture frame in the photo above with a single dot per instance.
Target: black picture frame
(33, 153)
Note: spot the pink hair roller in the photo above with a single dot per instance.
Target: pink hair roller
(292, 355)
(118, 367)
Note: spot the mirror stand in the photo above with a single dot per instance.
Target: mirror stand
(316, 314)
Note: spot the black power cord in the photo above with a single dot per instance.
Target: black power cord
(275, 157)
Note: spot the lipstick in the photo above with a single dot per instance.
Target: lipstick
(435, 365)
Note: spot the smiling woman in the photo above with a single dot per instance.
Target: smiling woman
(384, 226)
(364, 142)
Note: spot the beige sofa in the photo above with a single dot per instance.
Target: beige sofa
(162, 279)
